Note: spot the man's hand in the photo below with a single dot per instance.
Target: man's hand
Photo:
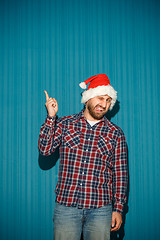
(116, 221)
(51, 105)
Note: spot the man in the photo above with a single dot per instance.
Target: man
(92, 181)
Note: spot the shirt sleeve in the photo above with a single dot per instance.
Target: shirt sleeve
(50, 136)
(120, 174)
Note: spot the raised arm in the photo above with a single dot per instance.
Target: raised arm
(51, 131)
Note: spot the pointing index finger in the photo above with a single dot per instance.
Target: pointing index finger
(47, 96)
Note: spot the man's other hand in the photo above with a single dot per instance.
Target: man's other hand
(116, 221)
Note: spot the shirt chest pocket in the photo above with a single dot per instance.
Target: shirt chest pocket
(105, 146)
(72, 138)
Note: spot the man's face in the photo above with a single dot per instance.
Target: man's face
(97, 107)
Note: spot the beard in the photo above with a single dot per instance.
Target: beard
(94, 114)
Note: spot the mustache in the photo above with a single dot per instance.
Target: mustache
(98, 105)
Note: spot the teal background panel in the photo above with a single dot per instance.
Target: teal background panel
(53, 45)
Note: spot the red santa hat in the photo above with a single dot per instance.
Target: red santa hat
(99, 85)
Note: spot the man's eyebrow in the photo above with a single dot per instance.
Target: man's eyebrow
(104, 97)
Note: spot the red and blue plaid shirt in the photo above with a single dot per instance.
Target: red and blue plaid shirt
(93, 161)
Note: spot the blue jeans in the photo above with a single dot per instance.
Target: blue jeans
(69, 222)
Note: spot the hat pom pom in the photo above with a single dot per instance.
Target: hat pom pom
(83, 85)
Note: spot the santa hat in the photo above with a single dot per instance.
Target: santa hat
(99, 85)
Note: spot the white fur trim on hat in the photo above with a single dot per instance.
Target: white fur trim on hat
(99, 91)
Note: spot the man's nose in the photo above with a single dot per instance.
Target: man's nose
(103, 104)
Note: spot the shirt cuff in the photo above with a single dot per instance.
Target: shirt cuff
(50, 121)
(118, 207)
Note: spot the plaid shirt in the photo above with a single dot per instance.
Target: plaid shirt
(93, 161)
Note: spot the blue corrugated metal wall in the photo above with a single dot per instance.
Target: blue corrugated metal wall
(54, 45)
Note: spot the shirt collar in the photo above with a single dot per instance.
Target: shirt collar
(81, 116)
